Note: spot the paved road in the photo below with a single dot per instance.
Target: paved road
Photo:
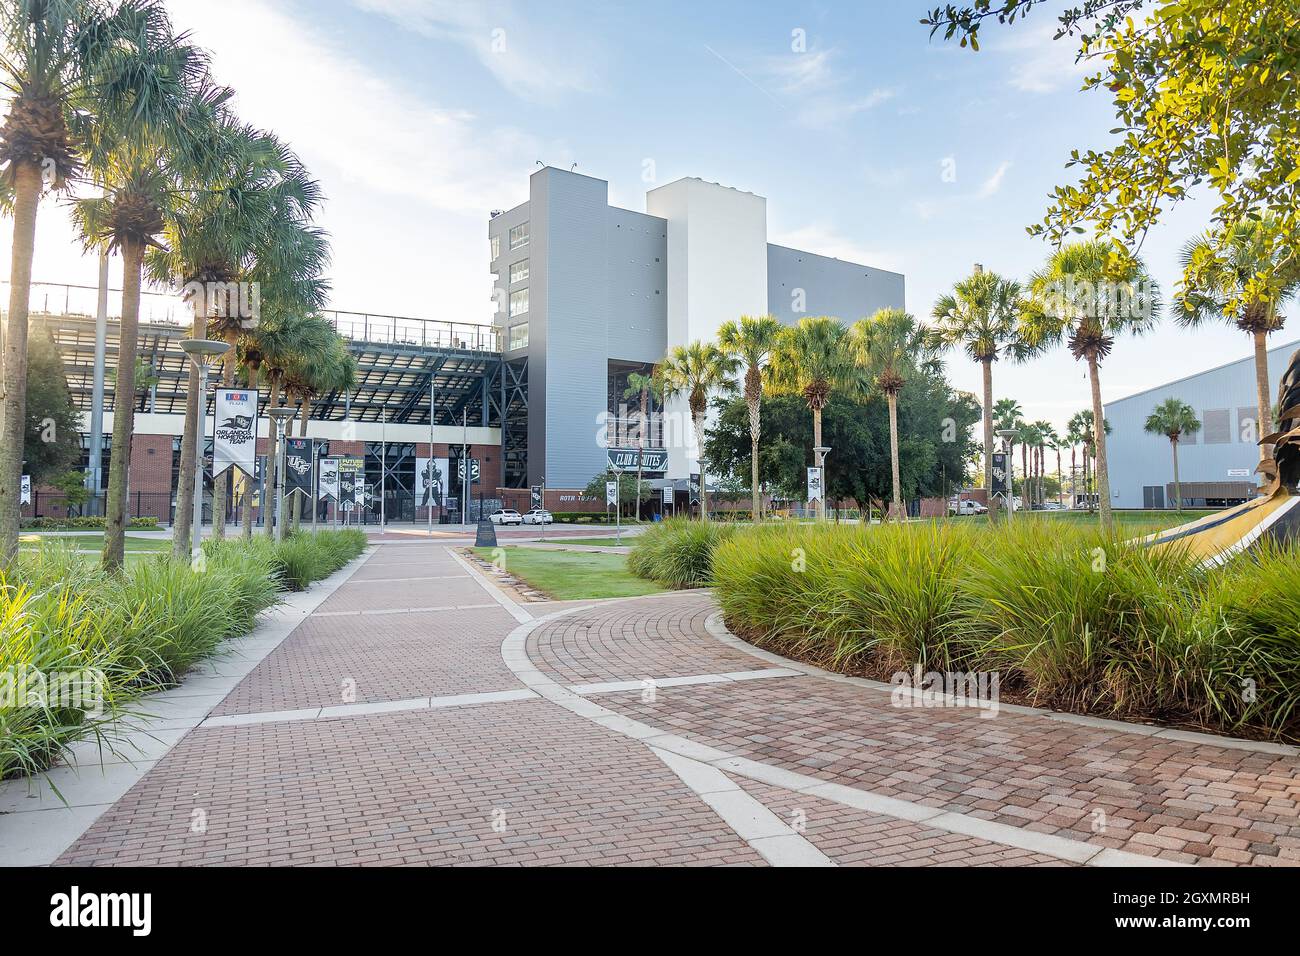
(417, 716)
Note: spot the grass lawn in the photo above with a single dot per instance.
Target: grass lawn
(596, 542)
(90, 541)
(574, 575)
(1144, 520)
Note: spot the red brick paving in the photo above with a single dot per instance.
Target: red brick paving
(421, 787)
(1181, 801)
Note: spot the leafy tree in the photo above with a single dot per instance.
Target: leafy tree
(1086, 295)
(751, 341)
(644, 387)
(628, 495)
(1222, 273)
(812, 359)
(1173, 418)
(858, 430)
(51, 441)
(981, 316)
(1204, 92)
(893, 348)
(697, 371)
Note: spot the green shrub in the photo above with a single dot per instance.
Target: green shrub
(678, 553)
(82, 523)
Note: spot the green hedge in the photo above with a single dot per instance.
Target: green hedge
(82, 523)
(1068, 617)
(142, 629)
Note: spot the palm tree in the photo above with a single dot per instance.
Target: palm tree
(63, 61)
(1088, 293)
(229, 233)
(643, 386)
(1242, 276)
(336, 372)
(142, 171)
(892, 348)
(751, 341)
(696, 370)
(1080, 426)
(1044, 439)
(286, 344)
(1009, 416)
(812, 359)
(981, 315)
(1173, 418)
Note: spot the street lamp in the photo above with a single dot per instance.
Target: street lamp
(1008, 436)
(280, 415)
(203, 353)
(820, 452)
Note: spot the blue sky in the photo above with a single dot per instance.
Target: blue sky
(869, 140)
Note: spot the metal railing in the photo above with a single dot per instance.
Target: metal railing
(62, 298)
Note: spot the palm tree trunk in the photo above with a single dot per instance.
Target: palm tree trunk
(1074, 473)
(756, 504)
(897, 496)
(1178, 487)
(185, 490)
(13, 417)
(817, 443)
(114, 554)
(1099, 436)
(272, 465)
(704, 486)
(246, 499)
(640, 461)
(988, 439)
(1024, 475)
(1261, 386)
(221, 482)
(1060, 480)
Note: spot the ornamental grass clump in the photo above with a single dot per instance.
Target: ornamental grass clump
(678, 553)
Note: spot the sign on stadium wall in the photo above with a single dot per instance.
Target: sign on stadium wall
(650, 461)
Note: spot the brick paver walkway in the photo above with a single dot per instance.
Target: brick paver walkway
(675, 752)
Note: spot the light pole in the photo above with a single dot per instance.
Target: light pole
(203, 353)
(821, 451)
(1008, 436)
(280, 415)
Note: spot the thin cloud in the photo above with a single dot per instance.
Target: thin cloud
(812, 84)
(533, 61)
(993, 184)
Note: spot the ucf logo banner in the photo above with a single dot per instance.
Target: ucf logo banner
(298, 453)
(234, 435)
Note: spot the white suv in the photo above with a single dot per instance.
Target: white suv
(506, 516)
(967, 506)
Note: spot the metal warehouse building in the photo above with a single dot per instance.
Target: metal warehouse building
(1216, 465)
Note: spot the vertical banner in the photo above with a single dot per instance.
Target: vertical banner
(26, 491)
(347, 489)
(359, 489)
(667, 492)
(695, 489)
(431, 479)
(535, 496)
(329, 478)
(234, 443)
(611, 493)
(298, 455)
(815, 490)
(1001, 482)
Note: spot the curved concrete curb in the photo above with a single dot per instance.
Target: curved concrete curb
(694, 764)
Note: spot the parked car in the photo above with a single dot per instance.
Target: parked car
(967, 506)
(538, 516)
(506, 516)
(1053, 506)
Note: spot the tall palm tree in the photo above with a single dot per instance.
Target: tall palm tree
(696, 371)
(893, 348)
(812, 359)
(981, 316)
(1029, 439)
(286, 344)
(1240, 275)
(60, 61)
(1044, 439)
(227, 235)
(1087, 294)
(1173, 418)
(336, 372)
(1081, 425)
(751, 341)
(142, 171)
(1009, 416)
(643, 386)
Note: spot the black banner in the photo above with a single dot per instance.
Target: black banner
(1001, 476)
(651, 461)
(695, 489)
(298, 461)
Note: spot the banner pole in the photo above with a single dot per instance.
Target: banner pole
(429, 477)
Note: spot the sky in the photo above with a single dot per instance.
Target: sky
(871, 141)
